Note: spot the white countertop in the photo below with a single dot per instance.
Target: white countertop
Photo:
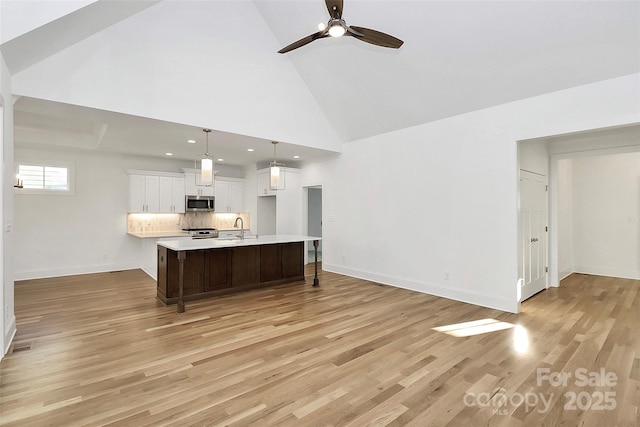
(194, 244)
(158, 234)
(170, 233)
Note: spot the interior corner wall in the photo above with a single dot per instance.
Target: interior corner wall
(534, 156)
(433, 208)
(7, 306)
(86, 232)
(564, 196)
(606, 204)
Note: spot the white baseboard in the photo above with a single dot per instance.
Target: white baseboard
(466, 296)
(153, 274)
(564, 274)
(611, 272)
(71, 271)
(9, 334)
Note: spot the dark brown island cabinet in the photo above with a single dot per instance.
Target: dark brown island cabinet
(217, 271)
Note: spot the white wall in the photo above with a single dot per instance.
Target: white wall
(408, 207)
(565, 219)
(314, 213)
(250, 199)
(266, 217)
(84, 232)
(289, 216)
(7, 313)
(534, 156)
(27, 16)
(606, 204)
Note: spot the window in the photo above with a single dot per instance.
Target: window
(44, 178)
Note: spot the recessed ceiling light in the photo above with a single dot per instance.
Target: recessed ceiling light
(250, 149)
(296, 157)
(191, 141)
(221, 160)
(168, 154)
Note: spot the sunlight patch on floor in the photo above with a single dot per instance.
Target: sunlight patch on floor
(475, 327)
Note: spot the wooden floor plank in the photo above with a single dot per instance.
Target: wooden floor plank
(95, 350)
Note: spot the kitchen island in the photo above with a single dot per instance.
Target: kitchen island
(190, 269)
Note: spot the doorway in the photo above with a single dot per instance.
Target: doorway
(533, 233)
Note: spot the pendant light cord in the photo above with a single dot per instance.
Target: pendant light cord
(274, 152)
(207, 131)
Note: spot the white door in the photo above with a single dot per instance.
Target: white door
(533, 233)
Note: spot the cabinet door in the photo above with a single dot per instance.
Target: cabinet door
(264, 184)
(165, 203)
(222, 196)
(207, 191)
(137, 201)
(292, 259)
(192, 186)
(178, 195)
(270, 263)
(152, 193)
(245, 266)
(218, 269)
(236, 196)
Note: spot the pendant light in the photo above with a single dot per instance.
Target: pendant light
(277, 171)
(206, 164)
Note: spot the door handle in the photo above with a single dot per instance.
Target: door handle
(534, 239)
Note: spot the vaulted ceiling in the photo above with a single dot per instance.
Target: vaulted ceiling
(458, 56)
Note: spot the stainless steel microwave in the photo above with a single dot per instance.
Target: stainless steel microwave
(199, 203)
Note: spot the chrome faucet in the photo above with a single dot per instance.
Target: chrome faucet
(235, 225)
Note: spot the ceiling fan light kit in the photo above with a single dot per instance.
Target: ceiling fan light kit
(337, 27)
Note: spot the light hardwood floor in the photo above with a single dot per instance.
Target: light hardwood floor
(100, 350)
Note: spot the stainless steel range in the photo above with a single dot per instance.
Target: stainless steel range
(202, 233)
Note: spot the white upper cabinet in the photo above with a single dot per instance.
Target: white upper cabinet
(192, 186)
(263, 178)
(156, 192)
(229, 195)
(144, 193)
(171, 194)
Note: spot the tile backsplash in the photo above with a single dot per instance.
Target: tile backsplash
(147, 222)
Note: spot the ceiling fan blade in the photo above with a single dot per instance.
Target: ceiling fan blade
(374, 37)
(305, 40)
(337, 4)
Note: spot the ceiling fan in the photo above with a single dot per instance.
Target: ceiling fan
(337, 27)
